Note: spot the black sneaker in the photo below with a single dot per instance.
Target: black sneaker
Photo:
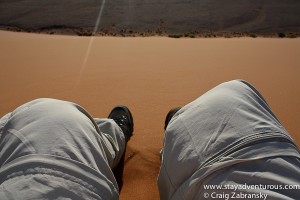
(122, 116)
(170, 114)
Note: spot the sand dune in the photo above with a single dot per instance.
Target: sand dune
(156, 16)
(150, 76)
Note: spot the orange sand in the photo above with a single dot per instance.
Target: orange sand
(150, 76)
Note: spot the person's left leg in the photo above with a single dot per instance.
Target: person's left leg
(65, 141)
(117, 129)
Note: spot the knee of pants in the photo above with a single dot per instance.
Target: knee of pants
(49, 126)
(52, 109)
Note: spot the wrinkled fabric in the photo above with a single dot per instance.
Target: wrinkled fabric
(52, 149)
(229, 135)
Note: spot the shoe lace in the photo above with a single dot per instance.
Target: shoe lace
(121, 120)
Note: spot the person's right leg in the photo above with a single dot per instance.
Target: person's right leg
(228, 123)
(169, 116)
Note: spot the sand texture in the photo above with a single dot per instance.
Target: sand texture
(156, 16)
(149, 75)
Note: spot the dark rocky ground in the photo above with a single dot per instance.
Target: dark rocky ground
(175, 18)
